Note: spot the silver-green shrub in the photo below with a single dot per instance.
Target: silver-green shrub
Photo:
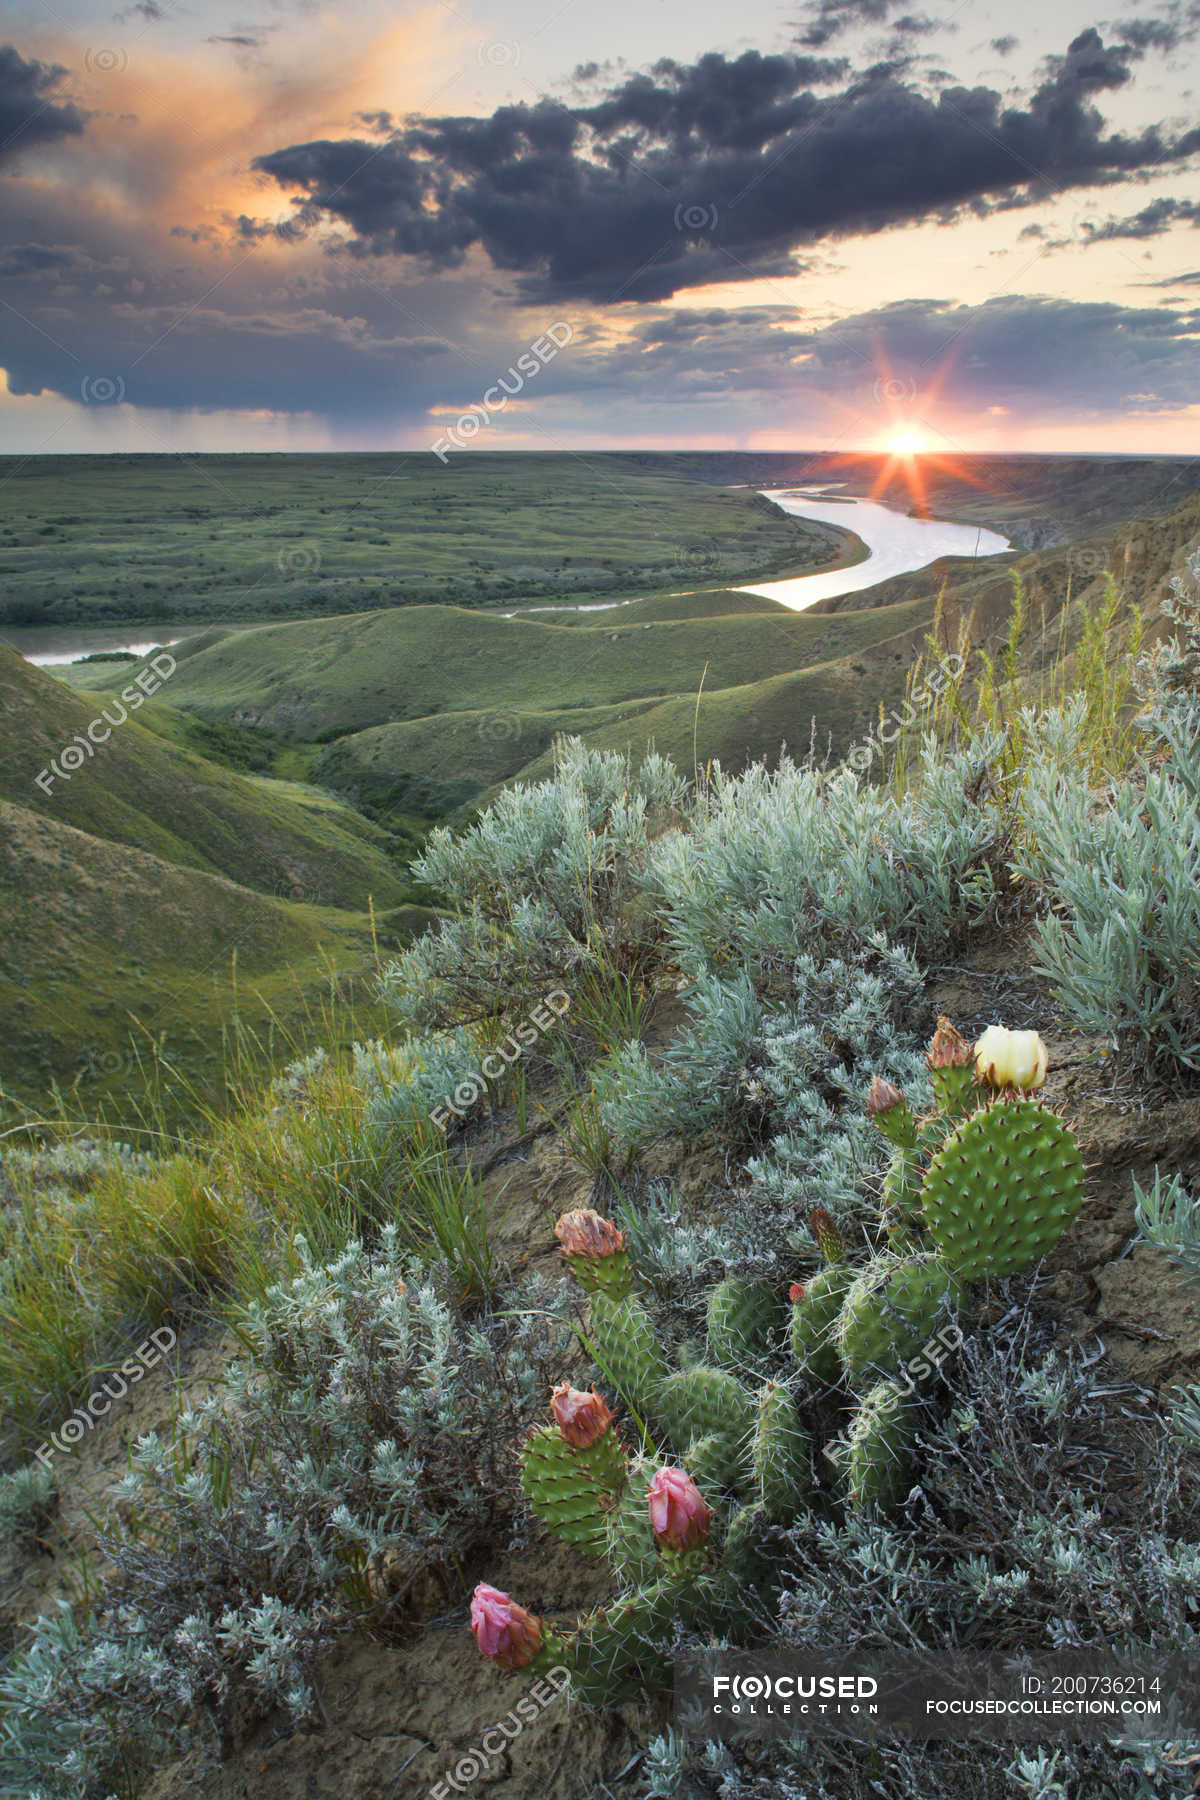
(1119, 874)
(778, 862)
(544, 883)
(28, 1499)
(784, 1076)
(364, 1443)
(1169, 1217)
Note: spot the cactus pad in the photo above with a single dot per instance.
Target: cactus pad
(574, 1491)
(630, 1545)
(1003, 1189)
(890, 1311)
(879, 1448)
(628, 1350)
(813, 1320)
(702, 1402)
(781, 1457)
(742, 1317)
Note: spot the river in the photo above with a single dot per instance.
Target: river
(895, 545)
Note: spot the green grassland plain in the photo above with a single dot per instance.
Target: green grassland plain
(102, 540)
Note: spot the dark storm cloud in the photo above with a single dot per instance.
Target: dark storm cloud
(830, 18)
(1038, 357)
(719, 170)
(29, 113)
(1179, 24)
(34, 259)
(1004, 46)
(1152, 221)
(1035, 355)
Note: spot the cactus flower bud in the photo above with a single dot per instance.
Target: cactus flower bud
(585, 1233)
(679, 1516)
(891, 1112)
(952, 1071)
(595, 1249)
(505, 1632)
(882, 1096)
(948, 1048)
(827, 1235)
(1011, 1058)
(797, 1292)
(580, 1417)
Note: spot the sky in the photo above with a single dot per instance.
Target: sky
(551, 225)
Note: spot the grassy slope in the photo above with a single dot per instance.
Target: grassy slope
(143, 790)
(99, 935)
(322, 678)
(123, 538)
(455, 757)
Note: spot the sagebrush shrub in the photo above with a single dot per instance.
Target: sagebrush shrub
(1119, 873)
(545, 885)
(363, 1446)
(784, 1076)
(780, 862)
(1169, 1217)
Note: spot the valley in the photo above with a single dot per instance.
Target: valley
(286, 773)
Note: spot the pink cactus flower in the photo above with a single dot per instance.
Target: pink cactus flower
(582, 1418)
(585, 1233)
(506, 1634)
(881, 1097)
(948, 1048)
(796, 1292)
(679, 1517)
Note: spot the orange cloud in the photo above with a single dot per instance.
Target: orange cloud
(172, 134)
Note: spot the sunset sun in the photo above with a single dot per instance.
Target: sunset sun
(906, 443)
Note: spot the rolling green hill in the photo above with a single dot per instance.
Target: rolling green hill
(837, 677)
(315, 680)
(106, 948)
(146, 791)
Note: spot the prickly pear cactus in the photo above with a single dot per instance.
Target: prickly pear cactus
(616, 1652)
(890, 1311)
(781, 1456)
(879, 1448)
(1002, 1189)
(745, 1563)
(574, 1490)
(814, 1317)
(630, 1545)
(743, 1318)
(628, 1350)
(701, 1403)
